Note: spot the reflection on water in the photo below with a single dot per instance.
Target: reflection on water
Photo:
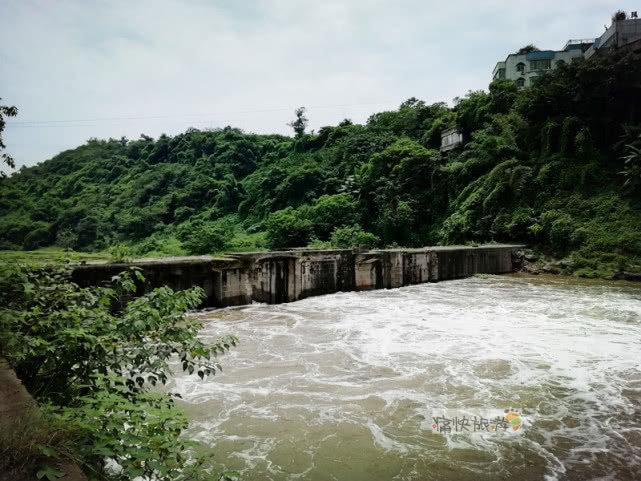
(342, 387)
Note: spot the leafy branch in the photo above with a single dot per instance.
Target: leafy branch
(90, 357)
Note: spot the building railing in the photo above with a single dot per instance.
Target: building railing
(577, 41)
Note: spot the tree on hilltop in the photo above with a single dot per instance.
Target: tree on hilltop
(619, 15)
(6, 111)
(300, 122)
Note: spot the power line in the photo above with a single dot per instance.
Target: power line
(66, 122)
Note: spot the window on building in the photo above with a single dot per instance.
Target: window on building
(520, 82)
(520, 67)
(560, 62)
(543, 64)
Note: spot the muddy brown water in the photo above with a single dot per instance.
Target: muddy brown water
(345, 386)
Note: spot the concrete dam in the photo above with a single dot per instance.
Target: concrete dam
(285, 276)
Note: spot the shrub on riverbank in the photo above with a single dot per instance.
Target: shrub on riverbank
(90, 356)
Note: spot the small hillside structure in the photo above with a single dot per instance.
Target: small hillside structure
(450, 139)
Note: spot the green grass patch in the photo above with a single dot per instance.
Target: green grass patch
(51, 255)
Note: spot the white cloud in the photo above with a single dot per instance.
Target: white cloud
(249, 64)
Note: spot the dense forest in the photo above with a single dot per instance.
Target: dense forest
(556, 165)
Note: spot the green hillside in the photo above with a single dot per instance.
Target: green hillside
(556, 165)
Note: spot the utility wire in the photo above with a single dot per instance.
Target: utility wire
(65, 122)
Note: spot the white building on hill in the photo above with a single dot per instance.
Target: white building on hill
(525, 65)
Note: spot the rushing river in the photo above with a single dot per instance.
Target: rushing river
(345, 386)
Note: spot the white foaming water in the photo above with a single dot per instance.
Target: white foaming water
(343, 386)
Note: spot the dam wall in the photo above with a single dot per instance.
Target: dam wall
(285, 276)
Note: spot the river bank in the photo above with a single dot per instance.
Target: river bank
(23, 432)
(535, 262)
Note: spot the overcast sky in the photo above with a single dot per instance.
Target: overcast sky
(82, 69)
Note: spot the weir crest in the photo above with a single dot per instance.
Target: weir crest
(289, 275)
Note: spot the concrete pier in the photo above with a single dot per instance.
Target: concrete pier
(285, 276)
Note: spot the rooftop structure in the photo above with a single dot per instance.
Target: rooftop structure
(619, 34)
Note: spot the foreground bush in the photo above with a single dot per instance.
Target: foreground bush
(89, 357)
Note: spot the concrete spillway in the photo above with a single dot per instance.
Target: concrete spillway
(285, 276)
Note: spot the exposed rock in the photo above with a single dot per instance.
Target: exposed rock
(564, 264)
(551, 268)
(518, 259)
(531, 268)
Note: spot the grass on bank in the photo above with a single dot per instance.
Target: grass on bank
(35, 444)
(51, 255)
(118, 253)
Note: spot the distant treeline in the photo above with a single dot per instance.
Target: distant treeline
(556, 165)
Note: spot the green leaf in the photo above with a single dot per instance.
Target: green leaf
(49, 473)
(47, 451)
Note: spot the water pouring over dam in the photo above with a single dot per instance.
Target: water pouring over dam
(345, 387)
(285, 276)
